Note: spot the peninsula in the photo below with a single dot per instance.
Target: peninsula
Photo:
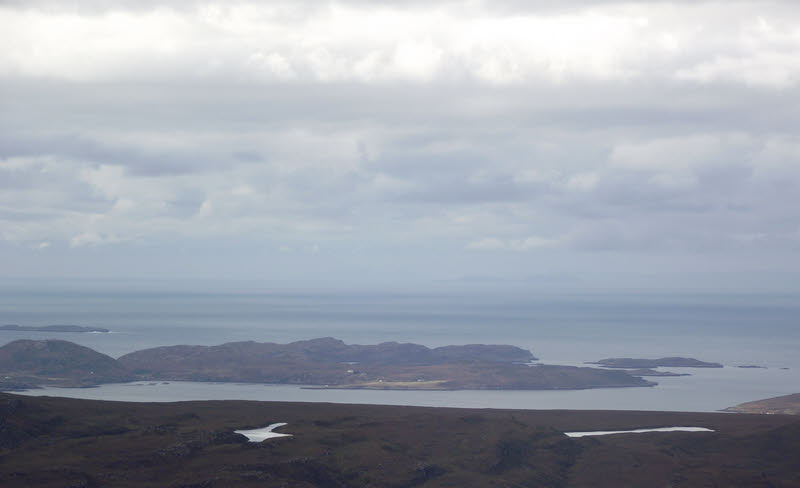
(390, 365)
(785, 405)
(325, 362)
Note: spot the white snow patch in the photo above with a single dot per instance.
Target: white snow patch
(258, 435)
(638, 431)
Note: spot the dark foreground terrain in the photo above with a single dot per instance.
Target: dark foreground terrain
(61, 442)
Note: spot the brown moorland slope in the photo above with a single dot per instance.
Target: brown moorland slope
(57, 442)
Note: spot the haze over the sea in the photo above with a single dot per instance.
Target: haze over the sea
(416, 146)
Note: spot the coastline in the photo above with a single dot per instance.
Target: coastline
(488, 388)
(684, 394)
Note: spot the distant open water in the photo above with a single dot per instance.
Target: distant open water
(559, 329)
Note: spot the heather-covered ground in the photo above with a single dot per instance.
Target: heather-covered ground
(63, 442)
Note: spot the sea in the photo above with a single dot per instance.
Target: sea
(569, 328)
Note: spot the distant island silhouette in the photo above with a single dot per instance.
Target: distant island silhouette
(52, 328)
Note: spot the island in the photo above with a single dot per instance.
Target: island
(324, 362)
(50, 442)
(653, 372)
(671, 362)
(52, 328)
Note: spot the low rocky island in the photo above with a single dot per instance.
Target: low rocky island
(325, 362)
(52, 328)
(671, 362)
(653, 372)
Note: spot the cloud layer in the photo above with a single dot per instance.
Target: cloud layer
(426, 141)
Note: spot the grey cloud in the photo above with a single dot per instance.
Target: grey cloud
(137, 159)
(435, 108)
(186, 203)
(260, 46)
(539, 172)
(95, 6)
(248, 156)
(459, 192)
(27, 215)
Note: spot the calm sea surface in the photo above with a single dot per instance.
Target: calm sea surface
(559, 329)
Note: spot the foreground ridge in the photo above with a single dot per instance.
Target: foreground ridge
(55, 442)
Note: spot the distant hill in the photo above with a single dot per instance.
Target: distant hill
(55, 362)
(672, 362)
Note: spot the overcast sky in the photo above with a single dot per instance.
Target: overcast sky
(651, 144)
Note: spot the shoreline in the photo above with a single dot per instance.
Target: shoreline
(379, 388)
(675, 396)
